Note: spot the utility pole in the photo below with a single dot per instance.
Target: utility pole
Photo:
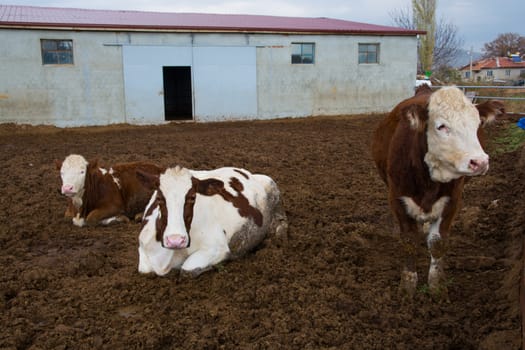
(470, 74)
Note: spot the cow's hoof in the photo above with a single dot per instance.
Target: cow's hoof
(114, 220)
(438, 290)
(194, 273)
(437, 282)
(281, 232)
(439, 293)
(78, 221)
(408, 284)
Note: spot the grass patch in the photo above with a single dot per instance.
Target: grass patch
(441, 293)
(511, 138)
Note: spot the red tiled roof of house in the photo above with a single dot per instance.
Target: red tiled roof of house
(72, 18)
(494, 63)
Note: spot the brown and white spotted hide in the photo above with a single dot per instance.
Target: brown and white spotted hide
(196, 219)
(424, 150)
(97, 195)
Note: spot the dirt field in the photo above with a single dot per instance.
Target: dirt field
(332, 285)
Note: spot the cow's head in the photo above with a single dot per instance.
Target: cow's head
(171, 206)
(73, 173)
(454, 149)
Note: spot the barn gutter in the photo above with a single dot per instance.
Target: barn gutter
(197, 29)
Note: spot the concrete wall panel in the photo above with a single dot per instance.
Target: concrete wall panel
(117, 76)
(225, 83)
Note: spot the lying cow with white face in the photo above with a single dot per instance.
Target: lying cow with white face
(424, 150)
(103, 196)
(196, 219)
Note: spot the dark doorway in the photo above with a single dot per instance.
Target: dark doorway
(177, 93)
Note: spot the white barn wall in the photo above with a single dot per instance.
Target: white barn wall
(336, 83)
(86, 93)
(92, 91)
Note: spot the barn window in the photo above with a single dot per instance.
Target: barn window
(57, 51)
(303, 52)
(489, 73)
(368, 53)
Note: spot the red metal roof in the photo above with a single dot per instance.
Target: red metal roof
(494, 63)
(72, 18)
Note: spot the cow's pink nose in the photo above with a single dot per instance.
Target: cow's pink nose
(67, 189)
(176, 242)
(479, 165)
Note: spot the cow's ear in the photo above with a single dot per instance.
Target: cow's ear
(58, 164)
(416, 115)
(423, 89)
(92, 165)
(151, 181)
(488, 111)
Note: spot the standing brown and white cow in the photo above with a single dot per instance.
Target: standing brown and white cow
(424, 150)
(103, 196)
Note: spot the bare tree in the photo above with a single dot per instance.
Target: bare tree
(447, 43)
(403, 18)
(504, 44)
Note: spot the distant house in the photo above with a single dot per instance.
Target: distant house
(499, 69)
(73, 67)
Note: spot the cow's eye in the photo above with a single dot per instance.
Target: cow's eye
(443, 128)
(82, 171)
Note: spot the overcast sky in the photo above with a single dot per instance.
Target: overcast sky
(478, 21)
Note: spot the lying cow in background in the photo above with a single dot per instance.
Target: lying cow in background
(423, 150)
(196, 219)
(103, 196)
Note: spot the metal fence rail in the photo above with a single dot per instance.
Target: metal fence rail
(497, 87)
(468, 89)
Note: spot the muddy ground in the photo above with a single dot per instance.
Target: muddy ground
(332, 285)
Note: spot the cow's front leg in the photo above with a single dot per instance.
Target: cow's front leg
(203, 260)
(71, 211)
(437, 239)
(114, 220)
(409, 234)
(408, 283)
(212, 248)
(437, 247)
(105, 216)
(78, 221)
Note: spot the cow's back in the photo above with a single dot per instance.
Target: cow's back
(244, 227)
(255, 188)
(134, 194)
